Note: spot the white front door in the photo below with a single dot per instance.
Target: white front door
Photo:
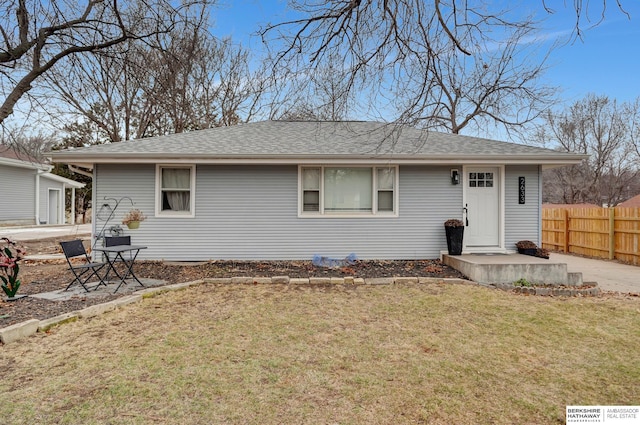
(482, 203)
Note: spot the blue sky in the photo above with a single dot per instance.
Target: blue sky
(605, 62)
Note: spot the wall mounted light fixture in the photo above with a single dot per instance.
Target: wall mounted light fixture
(455, 176)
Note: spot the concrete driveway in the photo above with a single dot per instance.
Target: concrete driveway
(611, 276)
(43, 232)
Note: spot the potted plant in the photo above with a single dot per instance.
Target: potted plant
(133, 218)
(10, 255)
(542, 253)
(454, 229)
(527, 247)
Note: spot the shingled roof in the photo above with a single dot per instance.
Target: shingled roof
(296, 141)
(631, 202)
(10, 156)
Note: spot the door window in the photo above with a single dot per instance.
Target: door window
(480, 179)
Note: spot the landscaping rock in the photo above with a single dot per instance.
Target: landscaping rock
(18, 331)
(379, 281)
(405, 280)
(282, 280)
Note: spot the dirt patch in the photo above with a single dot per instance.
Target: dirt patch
(51, 275)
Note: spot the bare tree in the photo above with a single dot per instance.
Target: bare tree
(601, 128)
(633, 110)
(28, 147)
(442, 64)
(36, 35)
(500, 86)
(321, 95)
(176, 82)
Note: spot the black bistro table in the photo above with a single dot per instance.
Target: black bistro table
(115, 254)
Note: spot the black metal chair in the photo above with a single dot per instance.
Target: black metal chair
(84, 271)
(125, 257)
(117, 240)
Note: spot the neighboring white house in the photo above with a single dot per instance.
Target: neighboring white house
(30, 194)
(292, 189)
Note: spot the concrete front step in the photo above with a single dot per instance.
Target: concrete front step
(508, 268)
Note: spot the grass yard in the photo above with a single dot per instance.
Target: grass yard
(436, 354)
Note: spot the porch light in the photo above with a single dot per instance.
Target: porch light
(455, 176)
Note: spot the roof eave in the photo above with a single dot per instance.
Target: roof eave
(67, 182)
(89, 160)
(24, 164)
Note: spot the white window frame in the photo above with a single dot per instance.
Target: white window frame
(192, 192)
(356, 214)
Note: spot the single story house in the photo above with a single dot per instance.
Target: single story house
(30, 194)
(294, 189)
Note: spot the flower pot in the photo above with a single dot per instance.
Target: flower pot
(527, 251)
(454, 239)
(133, 224)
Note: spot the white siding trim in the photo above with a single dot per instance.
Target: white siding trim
(59, 208)
(540, 205)
(501, 208)
(373, 214)
(503, 184)
(37, 199)
(192, 197)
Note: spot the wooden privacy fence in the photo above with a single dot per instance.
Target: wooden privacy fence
(611, 233)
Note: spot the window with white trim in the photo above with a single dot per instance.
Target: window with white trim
(330, 190)
(175, 190)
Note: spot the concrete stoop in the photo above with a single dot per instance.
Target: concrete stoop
(509, 268)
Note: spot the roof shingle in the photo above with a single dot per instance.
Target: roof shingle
(309, 139)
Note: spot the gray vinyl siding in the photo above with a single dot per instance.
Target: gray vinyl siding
(522, 221)
(17, 194)
(251, 212)
(45, 185)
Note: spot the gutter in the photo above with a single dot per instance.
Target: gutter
(87, 162)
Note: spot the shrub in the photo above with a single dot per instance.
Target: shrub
(522, 282)
(10, 256)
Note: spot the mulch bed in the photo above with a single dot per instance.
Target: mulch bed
(46, 276)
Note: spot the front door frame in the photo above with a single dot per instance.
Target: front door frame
(501, 197)
(59, 202)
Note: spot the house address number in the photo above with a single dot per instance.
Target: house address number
(521, 190)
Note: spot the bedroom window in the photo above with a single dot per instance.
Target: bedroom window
(175, 194)
(348, 190)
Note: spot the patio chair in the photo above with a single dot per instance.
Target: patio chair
(84, 271)
(124, 254)
(117, 240)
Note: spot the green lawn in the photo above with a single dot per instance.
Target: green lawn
(272, 354)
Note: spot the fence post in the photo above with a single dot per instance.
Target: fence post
(612, 233)
(566, 230)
